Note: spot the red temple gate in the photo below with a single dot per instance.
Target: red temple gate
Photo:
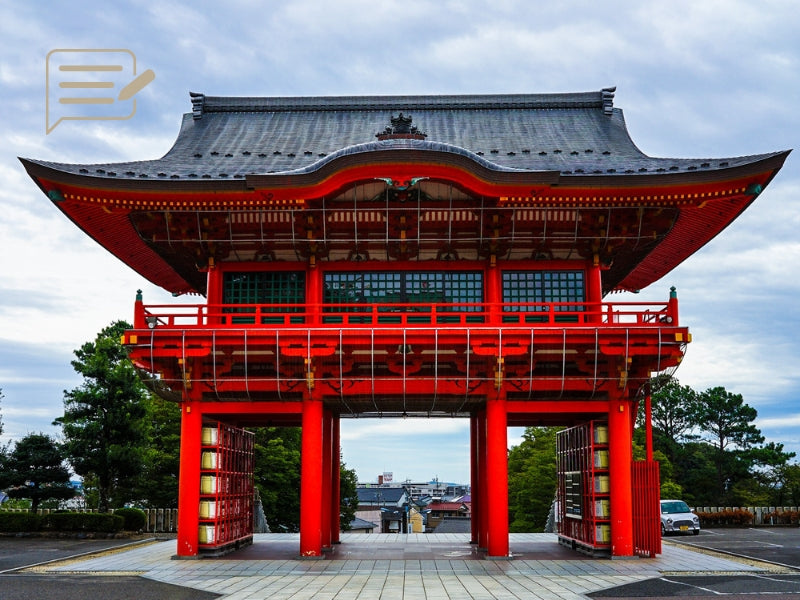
(459, 271)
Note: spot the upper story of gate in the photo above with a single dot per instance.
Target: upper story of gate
(408, 183)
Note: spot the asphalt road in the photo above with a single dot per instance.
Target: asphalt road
(777, 545)
(19, 553)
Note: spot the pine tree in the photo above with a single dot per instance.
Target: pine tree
(104, 421)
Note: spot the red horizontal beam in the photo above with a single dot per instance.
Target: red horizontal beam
(228, 407)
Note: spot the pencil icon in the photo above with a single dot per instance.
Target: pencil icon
(135, 86)
(92, 85)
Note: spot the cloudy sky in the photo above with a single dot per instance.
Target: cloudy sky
(709, 79)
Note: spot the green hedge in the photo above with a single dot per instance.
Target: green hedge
(18, 522)
(134, 518)
(101, 522)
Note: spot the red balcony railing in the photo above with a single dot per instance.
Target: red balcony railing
(302, 316)
(446, 356)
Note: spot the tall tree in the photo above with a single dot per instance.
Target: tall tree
(3, 447)
(532, 479)
(348, 496)
(673, 408)
(104, 418)
(158, 485)
(35, 469)
(277, 475)
(726, 422)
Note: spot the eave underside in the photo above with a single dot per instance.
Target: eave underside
(637, 233)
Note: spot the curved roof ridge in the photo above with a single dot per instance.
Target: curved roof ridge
(404, 144)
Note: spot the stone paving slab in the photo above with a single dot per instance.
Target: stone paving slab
(349, 574)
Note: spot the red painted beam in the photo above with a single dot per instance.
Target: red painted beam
(245, 409)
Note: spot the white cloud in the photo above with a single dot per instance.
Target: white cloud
(786, 420)
(379, 429)
(717, 78)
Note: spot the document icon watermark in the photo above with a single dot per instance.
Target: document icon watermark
(92, 85)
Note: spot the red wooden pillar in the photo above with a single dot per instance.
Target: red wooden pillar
(314, 294)
(327, 477)
(336, 467)
(189, 478)
(483, 493)
(310, 479)
(494, 290)
(620, 457)
(648, 427)
(594, 292)
(473, 480)
(497, 475)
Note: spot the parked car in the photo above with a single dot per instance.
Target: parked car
(677, 517)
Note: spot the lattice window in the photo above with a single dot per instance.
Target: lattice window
(275, 287)
(412, 287)
(543, 287)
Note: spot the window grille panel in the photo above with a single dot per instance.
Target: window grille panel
(412, 287)
(543, 287)
(276, 287)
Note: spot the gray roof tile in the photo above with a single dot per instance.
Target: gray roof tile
(576, 134)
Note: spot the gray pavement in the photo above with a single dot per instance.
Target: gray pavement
(414, 566)
(778, 545)
(17, 552)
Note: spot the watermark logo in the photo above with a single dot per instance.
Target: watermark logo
(92, 85)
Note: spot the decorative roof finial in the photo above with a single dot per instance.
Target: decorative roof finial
(401, 127)
(608, 100)
(198, 102)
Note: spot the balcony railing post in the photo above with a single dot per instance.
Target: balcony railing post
(138, 312)
(672, 307)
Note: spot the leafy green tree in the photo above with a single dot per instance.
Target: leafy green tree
(726, 422)
(695, 471)
(3, 447)
(158, 485)
(35, 469)
(766, 465)
(673, 407)
(532, 479)
(277, 475)
(786, 491)
(104, 421)
(348, 496)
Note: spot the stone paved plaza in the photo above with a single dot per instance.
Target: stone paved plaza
(414, 567)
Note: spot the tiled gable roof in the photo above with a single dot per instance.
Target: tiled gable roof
(228, 138)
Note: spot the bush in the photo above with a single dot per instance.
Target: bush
(19, 521)
(100, 522)
(782, 517)
(728, 516)
(134, 518)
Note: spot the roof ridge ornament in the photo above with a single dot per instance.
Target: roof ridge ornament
(401, 128)
(198, 103)
(608, 99)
